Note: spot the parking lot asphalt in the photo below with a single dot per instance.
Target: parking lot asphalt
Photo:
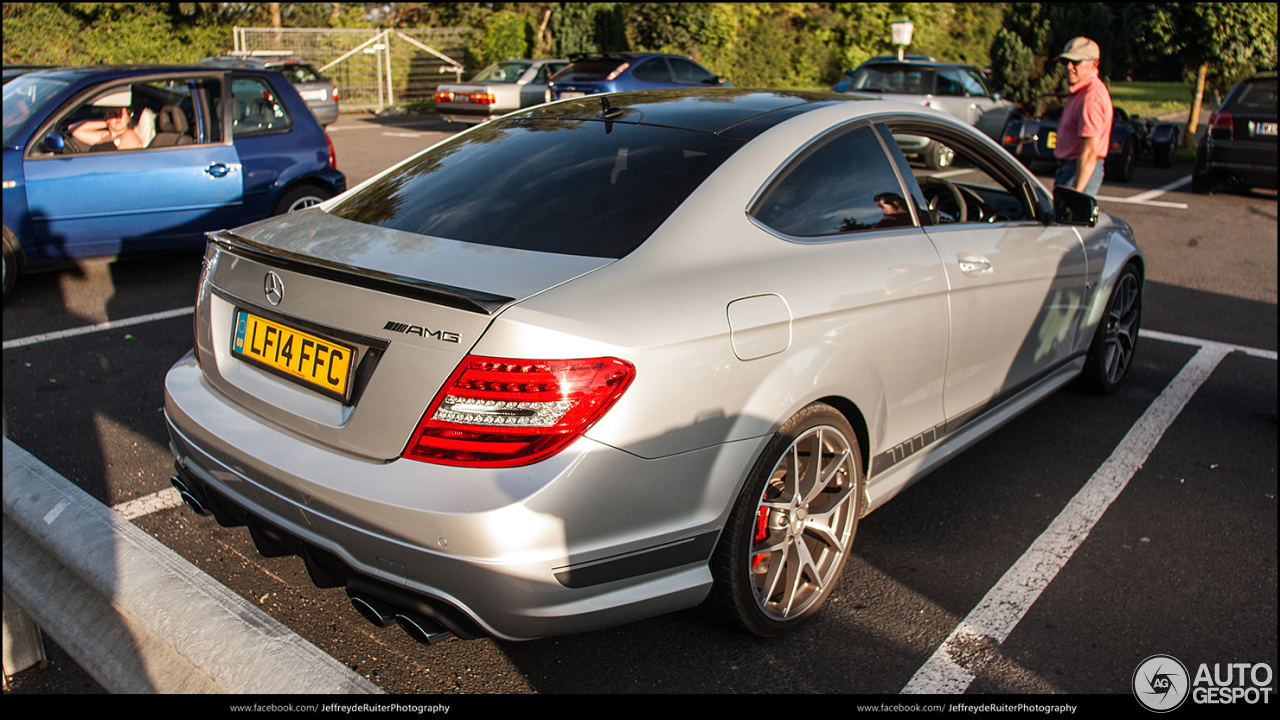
(1181, 560)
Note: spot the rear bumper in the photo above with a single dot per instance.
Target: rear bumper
(1252, 164)
(589, 538)
(471, 114)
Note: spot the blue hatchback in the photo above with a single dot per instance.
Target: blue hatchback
(588, 74)
(104, 161)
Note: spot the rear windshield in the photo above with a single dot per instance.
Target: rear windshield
(571, 187)
(300, 73)
(587, 70)
(504, 72)
(892, 79)
(1258, 95)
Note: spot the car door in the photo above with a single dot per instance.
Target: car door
(1016, 284)
(990, 115)
(872, 286)
(535, 91)
(950, 97)
(104, 203)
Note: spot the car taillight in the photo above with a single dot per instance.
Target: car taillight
(444, 96)
(335, 93)
(333, 154)
(1220, 123)
(497, 412)
(195, 316)
(482, 98)
(618, 71)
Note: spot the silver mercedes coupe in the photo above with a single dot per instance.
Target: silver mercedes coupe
(620, 355)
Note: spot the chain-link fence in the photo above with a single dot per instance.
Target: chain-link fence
(373, 69)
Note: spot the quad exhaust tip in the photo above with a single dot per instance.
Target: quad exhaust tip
(187, 496)
(381, 614)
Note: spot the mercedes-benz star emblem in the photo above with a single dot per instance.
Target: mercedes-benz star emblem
(273, 287)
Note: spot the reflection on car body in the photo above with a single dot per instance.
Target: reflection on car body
(690, 356)
(218, 148)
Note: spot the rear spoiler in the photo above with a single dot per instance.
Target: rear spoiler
(460, 298)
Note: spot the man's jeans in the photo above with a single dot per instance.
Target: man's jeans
(1066, 177)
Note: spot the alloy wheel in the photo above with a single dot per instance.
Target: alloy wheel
(804, 522)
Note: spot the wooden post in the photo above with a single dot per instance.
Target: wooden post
(1194, 119)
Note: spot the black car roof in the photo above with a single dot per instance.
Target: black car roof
(735, 112)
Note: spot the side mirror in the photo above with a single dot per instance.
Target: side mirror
(1074, 208)
(54, 142)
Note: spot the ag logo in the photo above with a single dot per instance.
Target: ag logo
(1161, 683)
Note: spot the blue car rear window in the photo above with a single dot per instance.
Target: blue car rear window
(573, 187)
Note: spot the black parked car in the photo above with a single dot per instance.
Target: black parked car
(1032, 139)
(1239, 146)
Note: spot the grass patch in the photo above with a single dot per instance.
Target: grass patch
(1147, 99)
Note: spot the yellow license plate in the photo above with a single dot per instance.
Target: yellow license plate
(1052, 142)
(309, 360)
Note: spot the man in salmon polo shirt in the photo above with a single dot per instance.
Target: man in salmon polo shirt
(1084, 132)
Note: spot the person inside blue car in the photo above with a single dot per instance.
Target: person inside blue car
(113, 132)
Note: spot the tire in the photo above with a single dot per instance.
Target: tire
(1164, 154)
(300, 197)
(788, 535)
(938, 156)
(1116, 338)
(10, 261)
(1128, 161)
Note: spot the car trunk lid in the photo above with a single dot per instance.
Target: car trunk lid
(344, 332)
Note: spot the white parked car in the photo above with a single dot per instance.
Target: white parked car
(623, 354)
(501, 88)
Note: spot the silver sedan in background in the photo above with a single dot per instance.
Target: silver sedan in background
(501, 88)
(624, 354)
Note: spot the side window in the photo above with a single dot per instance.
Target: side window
(973, 84)
(653, 70)
(143, 115)
(843, 185)
(976, 190)
(948, 83)
(256, 107)
(685, 71)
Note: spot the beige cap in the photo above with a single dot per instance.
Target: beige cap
(1081, 48)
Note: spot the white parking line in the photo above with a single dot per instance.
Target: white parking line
(148, 504)
(1147, 198)
(109, 325)
(955, 664)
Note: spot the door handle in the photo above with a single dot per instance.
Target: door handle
(218, 169)
(971, 264)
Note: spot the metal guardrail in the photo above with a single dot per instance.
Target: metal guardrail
(134, 614)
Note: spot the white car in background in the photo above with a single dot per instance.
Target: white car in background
(501, 88)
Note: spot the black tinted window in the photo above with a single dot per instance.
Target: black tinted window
(587, 70)
(845, 185)
(892, 79)
(562, 186)
(1258, 95)
(686, 71)
(654, 70)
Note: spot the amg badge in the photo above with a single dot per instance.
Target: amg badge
(440, 335)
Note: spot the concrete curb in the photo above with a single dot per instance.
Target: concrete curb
(133, 613)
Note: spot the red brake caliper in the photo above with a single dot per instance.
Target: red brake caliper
(762, 532)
